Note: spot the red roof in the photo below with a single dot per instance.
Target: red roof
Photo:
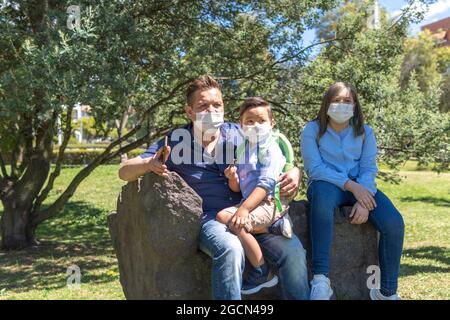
(443, 24)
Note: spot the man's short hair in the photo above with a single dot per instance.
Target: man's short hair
(201, 83)
(254, 102)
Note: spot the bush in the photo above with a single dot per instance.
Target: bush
(82, 156)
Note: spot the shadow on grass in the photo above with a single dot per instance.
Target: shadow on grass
(434, 254)
(441, 202)
(78, 236)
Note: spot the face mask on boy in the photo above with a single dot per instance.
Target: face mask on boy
(257, 132)
(340, 112)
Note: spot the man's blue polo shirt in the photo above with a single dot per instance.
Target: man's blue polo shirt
(205, 175)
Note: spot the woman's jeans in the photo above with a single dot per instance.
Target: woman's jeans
(324, 198)
(229, 261)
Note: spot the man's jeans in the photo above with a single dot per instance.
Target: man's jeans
(324, 198)
(229, 261)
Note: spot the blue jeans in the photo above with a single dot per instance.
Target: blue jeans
(229, 261)
(324, 198)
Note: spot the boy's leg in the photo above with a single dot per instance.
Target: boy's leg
(290, 258)
(324, 198)
(224, 216)
(228, 259)
(251, 247)
(262, 217)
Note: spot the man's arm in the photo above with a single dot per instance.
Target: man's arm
(136, 167)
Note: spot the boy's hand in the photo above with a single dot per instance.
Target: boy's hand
(240, 218)
(231, 172)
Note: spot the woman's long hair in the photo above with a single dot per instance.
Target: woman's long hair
(357, 122)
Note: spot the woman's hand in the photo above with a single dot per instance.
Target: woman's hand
(364, 196)
(359, 214)
(289, 183)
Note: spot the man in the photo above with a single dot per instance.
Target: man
(199, 161)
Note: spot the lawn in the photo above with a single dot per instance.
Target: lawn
(79, 236)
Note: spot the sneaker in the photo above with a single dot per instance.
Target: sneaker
(320, 288)
(375, 294)
(282, 226)
(287, 226)
(257, 279)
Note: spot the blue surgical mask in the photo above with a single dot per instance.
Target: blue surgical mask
(340, 112)
(257, 132)
(206, 121)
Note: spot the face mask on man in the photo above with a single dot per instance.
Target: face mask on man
(257, 132)
(340, 112)
(206, 121)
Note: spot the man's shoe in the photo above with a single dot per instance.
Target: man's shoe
(320, 288)
(257, 279)
(375, 294)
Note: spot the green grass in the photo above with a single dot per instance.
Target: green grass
(79, 236)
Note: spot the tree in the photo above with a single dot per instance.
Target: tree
(421, 58)
(124, 53)
(406, 119)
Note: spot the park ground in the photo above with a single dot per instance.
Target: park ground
(79, 236)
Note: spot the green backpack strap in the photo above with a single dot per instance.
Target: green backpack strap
(288, 153)
(286, 149)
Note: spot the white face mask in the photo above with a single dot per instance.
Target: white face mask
(206, 121)
(257, 132)
(340, 112)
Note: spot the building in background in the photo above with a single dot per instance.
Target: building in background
(440, 31)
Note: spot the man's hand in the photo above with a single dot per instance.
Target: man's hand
(155, 165)
(364, 196)
(289, 182)
(240, 218)
(359, 214)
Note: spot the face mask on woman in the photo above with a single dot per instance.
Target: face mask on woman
(257, 132)
(340, 112)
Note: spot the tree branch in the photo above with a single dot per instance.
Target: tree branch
(70, 190)
(3, 167)
(102, 158)
(56, 172)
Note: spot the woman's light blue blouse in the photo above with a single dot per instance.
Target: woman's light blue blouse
(339, 157)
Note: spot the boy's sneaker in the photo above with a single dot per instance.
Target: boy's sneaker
(257, 279)
(375, 294)
(283, 226)
(320, 288)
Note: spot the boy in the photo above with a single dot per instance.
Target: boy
(260, 162)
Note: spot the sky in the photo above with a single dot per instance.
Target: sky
(436, 11)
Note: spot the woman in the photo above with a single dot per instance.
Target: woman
(339, 153)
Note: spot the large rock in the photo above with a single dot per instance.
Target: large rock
(155, 232)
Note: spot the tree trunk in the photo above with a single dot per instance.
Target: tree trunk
(16, 229)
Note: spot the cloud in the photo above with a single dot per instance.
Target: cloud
(436, 9)
(431, 11)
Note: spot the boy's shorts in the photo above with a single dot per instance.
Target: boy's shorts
(262, 216)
